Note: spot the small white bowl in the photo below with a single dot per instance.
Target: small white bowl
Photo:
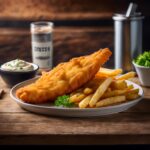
(143, 74)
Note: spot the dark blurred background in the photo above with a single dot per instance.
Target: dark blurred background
(81, 26)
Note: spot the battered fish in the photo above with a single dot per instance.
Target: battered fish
(64, 78)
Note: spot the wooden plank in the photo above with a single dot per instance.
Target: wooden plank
(27, 118)
(13, 106)
(75, 127)
(6, 103)
(68, 43)
(56, 10)
(141, 107)
(24, 31)
(65, 9)
(58, 16)
(73, 139)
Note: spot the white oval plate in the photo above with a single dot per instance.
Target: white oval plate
(50, 109)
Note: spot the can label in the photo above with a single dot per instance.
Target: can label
(42, 54)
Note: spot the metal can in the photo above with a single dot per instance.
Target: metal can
(127, 39)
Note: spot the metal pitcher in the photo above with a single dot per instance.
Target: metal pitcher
(127, 39)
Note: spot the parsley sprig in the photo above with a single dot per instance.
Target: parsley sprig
(63, 101)
(143, 59)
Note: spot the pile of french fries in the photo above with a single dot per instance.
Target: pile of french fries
(107, 88)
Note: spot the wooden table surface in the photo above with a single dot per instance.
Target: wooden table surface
(18, 126)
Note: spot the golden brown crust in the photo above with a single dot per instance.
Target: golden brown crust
(64, 78)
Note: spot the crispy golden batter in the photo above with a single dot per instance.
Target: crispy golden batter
(64, 78)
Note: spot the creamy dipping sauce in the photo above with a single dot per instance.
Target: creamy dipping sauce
(17, 65)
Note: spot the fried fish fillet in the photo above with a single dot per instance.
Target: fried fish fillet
(64, 78)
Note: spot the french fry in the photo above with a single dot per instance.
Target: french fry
(88, 91)
(101, 76)
(85, 102)
(109, 72)
(77, 97)
(110, 101)
(108, 90)
(114, 93)
(129, 87)
(126, 76)
(133, 91)
(100, 91)
(131, 96)
(76, 92)
(120, 92)
(94, 83)
(118, 85)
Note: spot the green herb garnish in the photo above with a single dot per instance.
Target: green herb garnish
(63, 101)
(143, 59)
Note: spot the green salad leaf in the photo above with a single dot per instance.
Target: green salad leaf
(63, 101)
(143, 59)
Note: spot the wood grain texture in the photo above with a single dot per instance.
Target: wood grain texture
(68, 43)
(55, 9)
(75, 127)
(118, 119)
(65, 9)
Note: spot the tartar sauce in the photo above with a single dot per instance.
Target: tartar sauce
(17, 65)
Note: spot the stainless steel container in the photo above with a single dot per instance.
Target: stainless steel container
(127, 39)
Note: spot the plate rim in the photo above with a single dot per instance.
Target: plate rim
(72, 108)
